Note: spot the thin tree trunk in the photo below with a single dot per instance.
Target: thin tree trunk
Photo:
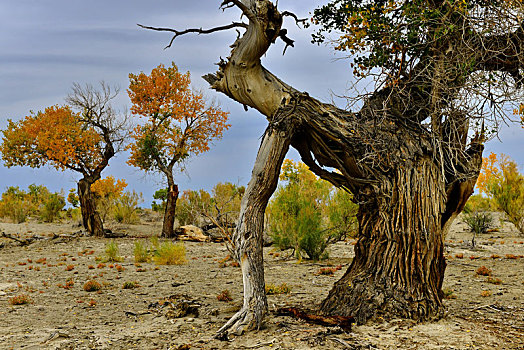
(90, 218)
(247, 239)
(169, 215)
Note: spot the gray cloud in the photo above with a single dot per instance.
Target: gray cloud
(45, 46)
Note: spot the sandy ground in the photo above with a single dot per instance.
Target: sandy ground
(117, 318)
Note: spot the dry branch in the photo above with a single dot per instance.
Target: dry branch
(343, 322)
(194, 30)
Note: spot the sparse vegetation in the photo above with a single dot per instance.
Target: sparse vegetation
(272, 289)
(92, 286)
(141, 252)
(169, 253)
(449, 293)
(483, 271)
(112, 252)
(130, 285)
(21, 299)
(225, 295)
(494, 280)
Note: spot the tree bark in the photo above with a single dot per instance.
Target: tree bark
(247, 239)
(410, 183)
(169, 215)
(399, 264)
(90, 218)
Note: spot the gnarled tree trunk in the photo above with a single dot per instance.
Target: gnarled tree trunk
(409, 180)
(90, 218)
(399, 264)
(169, 215)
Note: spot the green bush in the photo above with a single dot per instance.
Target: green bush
(307, 214)
(141, 252)
(162, 196)
(52, 206)
(112, 252)
(126, 206)
(479, 222)
(169, 253)
(17, 204)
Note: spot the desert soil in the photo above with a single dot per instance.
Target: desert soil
(480, 315)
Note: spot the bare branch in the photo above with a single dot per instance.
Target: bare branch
(295, 17)
(289, 42)
(194, 30)
(245, 10)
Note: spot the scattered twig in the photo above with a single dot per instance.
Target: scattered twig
(261, 344)
(343, 342)
(54, 336)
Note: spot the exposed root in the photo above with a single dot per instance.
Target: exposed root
(243, 321)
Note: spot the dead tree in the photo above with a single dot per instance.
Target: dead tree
(405, 156)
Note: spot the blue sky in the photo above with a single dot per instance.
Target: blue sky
(45, 46)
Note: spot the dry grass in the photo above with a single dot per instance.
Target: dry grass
(272, 289)
(225, 295)
(169, 253)
(21, 299)
(92, 286)
(483, 271)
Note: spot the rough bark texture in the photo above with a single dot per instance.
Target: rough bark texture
(409, 179)
(90, 218)
(169, 216)
(247, 239)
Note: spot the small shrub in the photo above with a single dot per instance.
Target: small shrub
(101, 265)
(141, 252)
(327, 270)
(483, 271)
(511, 256)
(92, 303)
(225, 295)
(459, 256)
(449, 293)
(485, 293)
(111, 252)
(479, 222)
(125, 209)
(69, 267)
(495, 256)
(14, 205)
(90, 267)
(119, 268)
(21, 299)
(68, 285)
(169, 253)
(271, 289)
(493, 280)
(92, 286)
(52, 207)
(130, 285)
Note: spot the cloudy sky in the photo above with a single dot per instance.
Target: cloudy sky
(45, 46)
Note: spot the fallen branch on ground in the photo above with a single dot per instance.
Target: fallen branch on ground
(330, 321)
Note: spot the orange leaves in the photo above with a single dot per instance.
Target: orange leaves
(55, 136)
(164, 91)
(107, 187)
(488, 173)
(179, 123)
